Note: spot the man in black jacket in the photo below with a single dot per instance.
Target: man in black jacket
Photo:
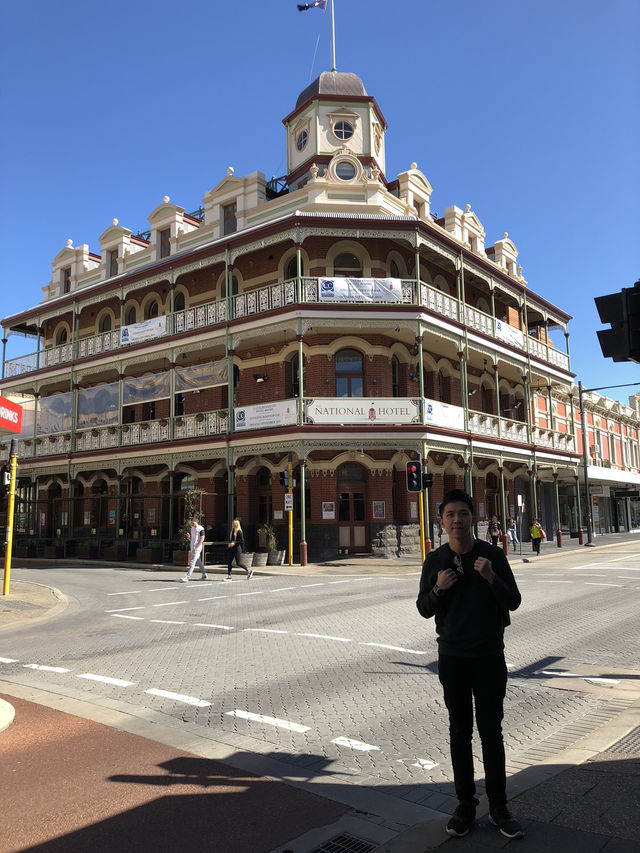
(468, 586)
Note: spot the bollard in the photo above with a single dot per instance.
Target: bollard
(580, 537)
(303, 553)
(559, 537)
(428, 546)
(505, 543)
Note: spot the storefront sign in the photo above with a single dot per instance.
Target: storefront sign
(509, 334)
(10, 416)
(442, 414)
(264, 415)
(360, 290)
(352, 410)
(147, 330)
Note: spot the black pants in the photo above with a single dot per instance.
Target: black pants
(535, 541)
(483, 680)
(236, 552)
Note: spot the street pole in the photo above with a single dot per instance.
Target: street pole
(583, 426)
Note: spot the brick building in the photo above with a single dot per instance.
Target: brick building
(326, 320)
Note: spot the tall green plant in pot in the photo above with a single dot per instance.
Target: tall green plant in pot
(192, 504)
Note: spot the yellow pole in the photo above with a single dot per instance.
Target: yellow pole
(421, 516)
(9, 536)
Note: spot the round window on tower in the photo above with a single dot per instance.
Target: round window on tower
(345, 170)
(301, 141)
(343, 130)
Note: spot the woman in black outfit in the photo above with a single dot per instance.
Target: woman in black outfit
(236, 547)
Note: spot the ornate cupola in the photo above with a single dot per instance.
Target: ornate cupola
(334, 116)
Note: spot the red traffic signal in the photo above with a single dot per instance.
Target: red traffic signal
(414, 476)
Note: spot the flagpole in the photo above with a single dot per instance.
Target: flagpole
(333, 40)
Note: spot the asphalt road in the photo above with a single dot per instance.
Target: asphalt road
(335, 675)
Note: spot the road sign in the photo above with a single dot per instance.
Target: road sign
(288, 502)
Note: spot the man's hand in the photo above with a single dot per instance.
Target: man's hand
(447, 578)
(484, 568)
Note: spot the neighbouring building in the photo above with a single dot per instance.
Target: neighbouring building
(327, 322)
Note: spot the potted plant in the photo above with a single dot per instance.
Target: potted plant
(275, 557)
(191, 507)
(199, 417)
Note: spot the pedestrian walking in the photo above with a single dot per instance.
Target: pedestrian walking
(512, 530)
(537, 535)
(494, 530)
(196, 544)
(468, 586)
(236, 550)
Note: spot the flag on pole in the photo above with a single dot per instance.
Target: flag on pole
(321, 4)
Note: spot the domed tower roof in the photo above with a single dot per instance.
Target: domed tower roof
(340, 83)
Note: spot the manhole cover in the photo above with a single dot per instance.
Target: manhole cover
(345, 843)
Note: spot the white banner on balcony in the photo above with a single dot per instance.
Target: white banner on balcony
(263, 415)
(509, 334)
(156, 327)
(360, 290)
(443, 414)
(355, 410)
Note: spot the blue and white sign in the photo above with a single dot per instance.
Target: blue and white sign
(147, 330)
(341, 289)
(265, 415)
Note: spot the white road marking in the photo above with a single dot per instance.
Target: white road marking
(138, 591)
(45, 668)
(118, 682)
(355, 744)
(511, 667)
(326, 637)
(209, 625)
(282, 588)
(266, 630)
(122, 616)
(8, 660)
(124, 609)
(593, 583)
(212, 598)
(559, 673)
(167, 621)
(348, 580)
(169, 603)
(594, 680)
(178, 697)
(422, 763)
(257, 592)
(307, 585)
(626, 578)
(393, 648)
(558, 581)
(271, 721)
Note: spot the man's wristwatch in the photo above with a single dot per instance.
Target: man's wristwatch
(437, 591)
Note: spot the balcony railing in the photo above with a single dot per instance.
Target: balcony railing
(270, 298)
(213, 423)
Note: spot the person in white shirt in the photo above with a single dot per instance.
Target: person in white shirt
(196, 544)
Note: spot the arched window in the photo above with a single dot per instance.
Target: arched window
(105, 323)
(394, 272)
(179, 301)
(291, 270)
(131, 316)
(234, 287)
(349, 373)
(440, 386)
(348, 265)
(293, 377)
(151, 310)
(61, 337)
(395, 377)
(263, 489)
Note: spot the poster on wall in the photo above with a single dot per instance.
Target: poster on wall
(328, 510)
(378, 509)
(264, 415)
(509, 334)
(443, 414)
(355, 410)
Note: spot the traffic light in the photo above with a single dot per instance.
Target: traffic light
(284, 478)
(427, 481)
(5, 479)
(622, 310)
(414, 476)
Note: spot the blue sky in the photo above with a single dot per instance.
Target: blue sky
(527, 111)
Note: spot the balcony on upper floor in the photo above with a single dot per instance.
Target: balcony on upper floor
(278, 296)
